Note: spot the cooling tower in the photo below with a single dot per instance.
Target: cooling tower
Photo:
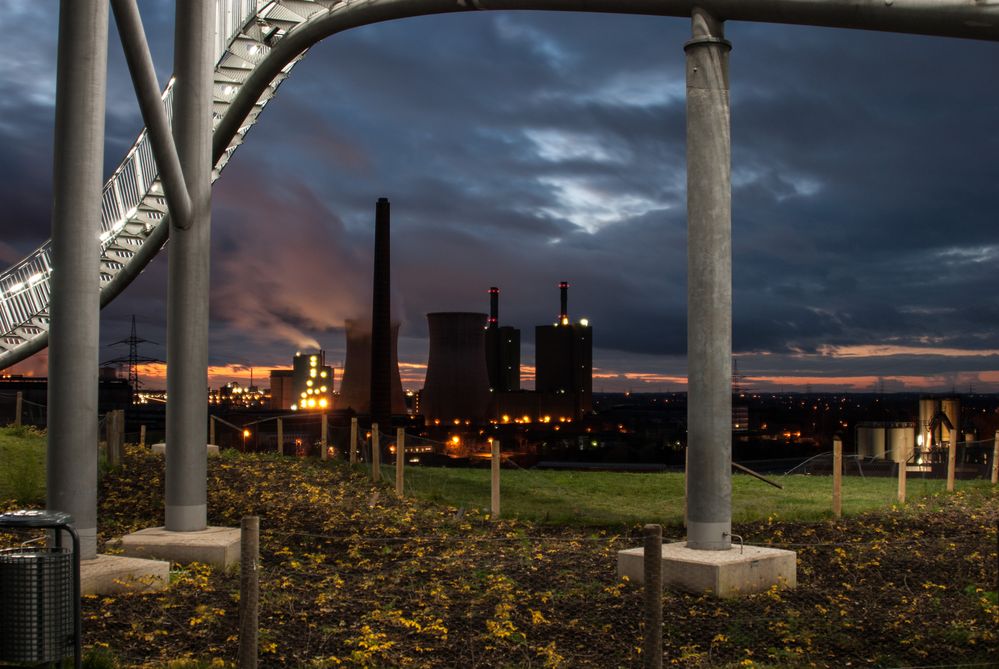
(355, 390)
(457, 385)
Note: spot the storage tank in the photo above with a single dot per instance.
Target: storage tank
(928, 408)
(355, 390)
(457, 383)
(886, 441)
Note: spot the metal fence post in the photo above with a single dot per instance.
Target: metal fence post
(280, 436)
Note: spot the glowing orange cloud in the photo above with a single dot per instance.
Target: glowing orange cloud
(882, 350)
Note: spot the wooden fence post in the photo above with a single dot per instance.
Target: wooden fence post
(837, 477)
(323, 435)
(495, 480)
(280, 436)
(142, 435)
(112, 432)
(376, 454)
(120, 442)
(400, 459)
(902, 477)
(353, 441)
(211, 430)
(18, 408)
(249, 592)
(995, 459)
(652, 646)
(686, 460)
(951, 460)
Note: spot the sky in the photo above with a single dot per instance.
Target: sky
(520, 149)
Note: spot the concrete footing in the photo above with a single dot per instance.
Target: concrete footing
(217, 546)
(160, 449)
(729, 573)
(109, 574)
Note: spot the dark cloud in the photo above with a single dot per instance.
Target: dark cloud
(521, 149)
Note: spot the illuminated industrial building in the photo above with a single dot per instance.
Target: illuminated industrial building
(308, 386)
(564, 360)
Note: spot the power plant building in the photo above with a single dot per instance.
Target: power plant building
(564, 359)
(282, 394)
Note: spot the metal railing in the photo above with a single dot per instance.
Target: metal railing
(133, 204)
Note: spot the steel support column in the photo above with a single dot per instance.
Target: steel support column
(709, 287)
(188, 280)
(75, 304)
(147, 92)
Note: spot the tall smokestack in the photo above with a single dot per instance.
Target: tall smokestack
(563, 315)
(381, 322)
(493, 308)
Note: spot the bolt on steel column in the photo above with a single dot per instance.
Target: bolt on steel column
(709, 287)
(75, 305)
(188, 279)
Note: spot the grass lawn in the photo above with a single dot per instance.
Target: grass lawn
(557, 497)
(353, 577)
(22, 465)
(610, 498)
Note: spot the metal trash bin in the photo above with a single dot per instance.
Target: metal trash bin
(39, 593)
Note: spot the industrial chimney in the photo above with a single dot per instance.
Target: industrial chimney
(355, 389)
(493, 308)
(381, 325)
(502, 350)
(563, 314)
(457, 384)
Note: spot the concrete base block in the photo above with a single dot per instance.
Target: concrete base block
(217, 546)
(160, 449)
(109, 574)
(730, 573)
